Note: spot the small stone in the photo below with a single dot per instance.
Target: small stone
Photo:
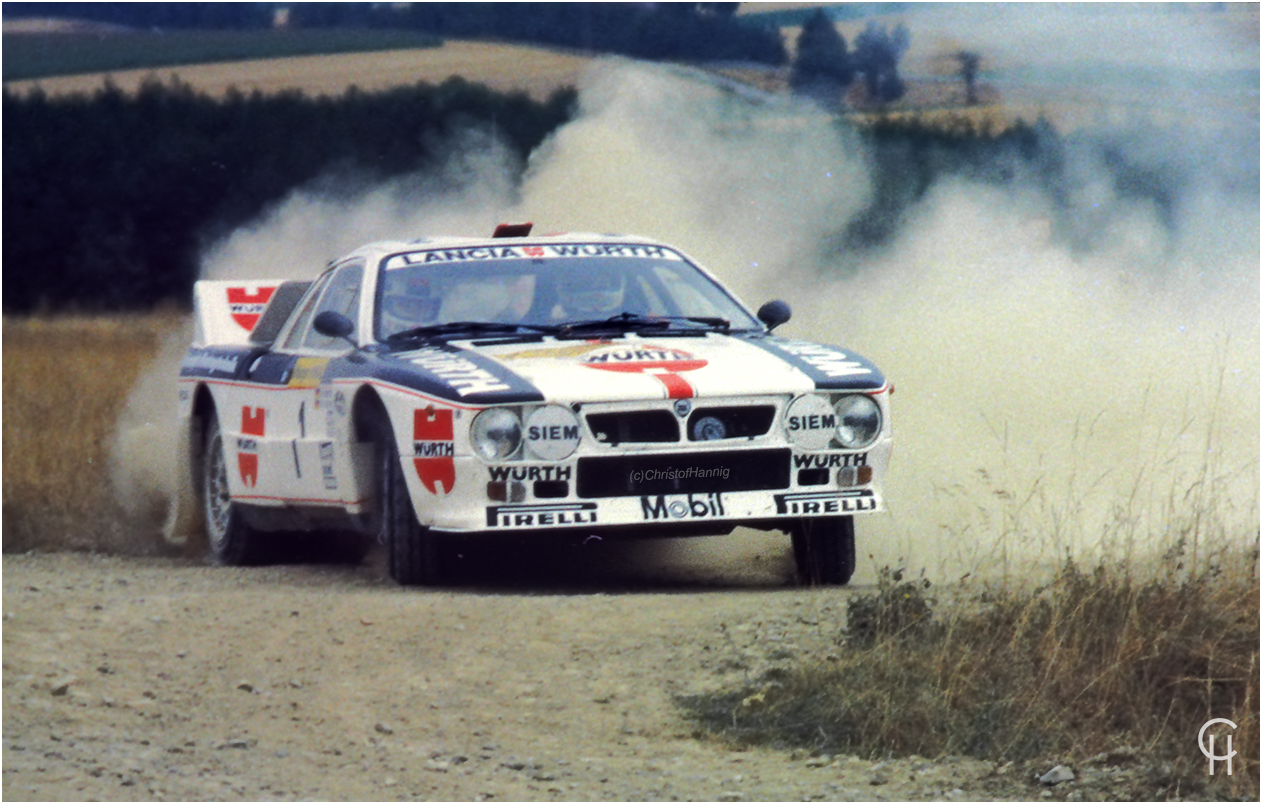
(62, 687)
(238, 743)
(1056, 775)
(382, 728)
(245, 686)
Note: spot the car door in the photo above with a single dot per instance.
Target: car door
(320, 406)
(261, 414)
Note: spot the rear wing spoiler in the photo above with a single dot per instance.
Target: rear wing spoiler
(240, 313)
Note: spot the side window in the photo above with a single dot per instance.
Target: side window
(341, 296)
(308, 310)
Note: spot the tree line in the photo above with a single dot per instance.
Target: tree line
(109, 199)
(689, 31)
(825, 67)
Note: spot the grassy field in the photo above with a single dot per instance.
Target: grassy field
(66, 382)
(502, 67)
(33, 55)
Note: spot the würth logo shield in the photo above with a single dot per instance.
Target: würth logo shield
(247, 305)
(253, 423)
(434, 452)
(664, 364)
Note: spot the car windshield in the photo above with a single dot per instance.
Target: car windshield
(552, 287)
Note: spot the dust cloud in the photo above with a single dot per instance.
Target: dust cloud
(1074, 374)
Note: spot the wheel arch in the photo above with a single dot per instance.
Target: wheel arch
(367, 409)
(203, 408)
(184, 526)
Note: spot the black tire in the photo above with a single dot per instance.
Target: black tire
(412, 552)
(823, 548)
(230, 539)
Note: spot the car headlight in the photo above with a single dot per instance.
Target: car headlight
(496, 434)
(858, 421)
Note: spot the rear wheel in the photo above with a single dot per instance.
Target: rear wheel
(823, 548)
(232, 541)
(413, 552)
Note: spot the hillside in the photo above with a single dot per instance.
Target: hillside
(502, 67)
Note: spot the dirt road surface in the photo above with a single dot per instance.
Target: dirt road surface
(551, 676)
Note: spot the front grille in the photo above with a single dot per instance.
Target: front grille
(746, 421)
(634, 427)
(687, 473)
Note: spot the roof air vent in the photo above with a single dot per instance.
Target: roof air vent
(512, 230)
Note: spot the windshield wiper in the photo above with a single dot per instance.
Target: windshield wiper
(626, 322)
(453, 328)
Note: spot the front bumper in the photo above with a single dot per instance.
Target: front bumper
(722, 488)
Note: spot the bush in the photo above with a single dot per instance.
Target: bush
(898, 610)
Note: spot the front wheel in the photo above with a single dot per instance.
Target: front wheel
(823, 548)
(232, 540)
(412, 551)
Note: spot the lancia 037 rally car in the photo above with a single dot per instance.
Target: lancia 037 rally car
(438, 390)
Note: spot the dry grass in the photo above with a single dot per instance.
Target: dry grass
(1097, 668)
(66, 382)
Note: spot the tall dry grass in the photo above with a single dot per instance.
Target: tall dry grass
(66, 381)
(1097, 667)
(1110, 664)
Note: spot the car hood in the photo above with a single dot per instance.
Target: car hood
(637, 367)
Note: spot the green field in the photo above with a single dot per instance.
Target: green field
(27, 56)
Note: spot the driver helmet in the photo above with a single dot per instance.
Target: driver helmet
(407, 301)
(590, 291)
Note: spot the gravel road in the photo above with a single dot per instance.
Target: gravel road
(549, 678)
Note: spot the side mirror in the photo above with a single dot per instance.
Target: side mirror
(333, 324)
(774, 313)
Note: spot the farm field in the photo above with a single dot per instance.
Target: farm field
(42, 53)
(502, 67)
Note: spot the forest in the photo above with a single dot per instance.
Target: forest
(110, 198)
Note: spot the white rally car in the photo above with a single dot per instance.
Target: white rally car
(434, 391)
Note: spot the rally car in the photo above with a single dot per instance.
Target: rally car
(432, 392)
